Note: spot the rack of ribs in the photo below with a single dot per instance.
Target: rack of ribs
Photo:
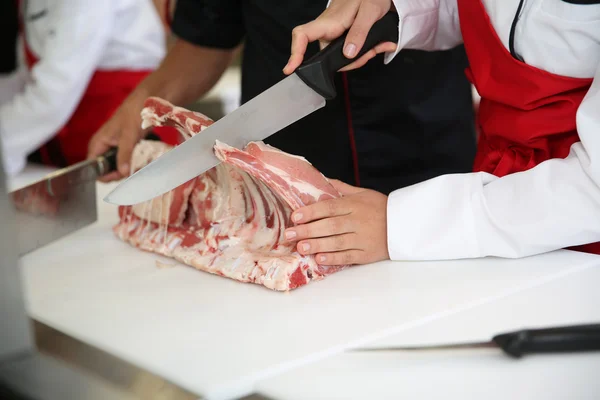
(230, 220)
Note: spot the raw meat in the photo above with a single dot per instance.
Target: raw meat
(230, 220)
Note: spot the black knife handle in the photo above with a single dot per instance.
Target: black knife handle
(318, 72)
(550, 340)
(109, 158)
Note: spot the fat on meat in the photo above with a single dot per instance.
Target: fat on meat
(230, 220)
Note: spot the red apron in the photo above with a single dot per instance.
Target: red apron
(103, 95)
(526, 115)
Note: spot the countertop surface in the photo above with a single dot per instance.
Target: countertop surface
(469, 373)
(219, 338)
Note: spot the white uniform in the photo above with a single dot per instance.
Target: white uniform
(72, 39)
(551, 206)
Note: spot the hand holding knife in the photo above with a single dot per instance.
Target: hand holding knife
(516, 344)
(286, 102)
(61, 202)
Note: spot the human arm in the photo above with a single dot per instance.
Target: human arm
(203, 50)
(187, 72)
(423, 25)
(551, 206)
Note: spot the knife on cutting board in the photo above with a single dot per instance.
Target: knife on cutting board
(60, 203)
(563, 339)
(288, 101)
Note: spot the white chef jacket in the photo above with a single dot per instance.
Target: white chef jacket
(72, 39)
(551, 206)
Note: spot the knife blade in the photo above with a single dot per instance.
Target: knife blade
(288, 101)
(516, 344)
(61, 202)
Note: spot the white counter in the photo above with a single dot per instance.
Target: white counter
(466, 374)
(219, 338)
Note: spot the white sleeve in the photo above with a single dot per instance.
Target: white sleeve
(426, 25)
(551, 206)
(58, 81)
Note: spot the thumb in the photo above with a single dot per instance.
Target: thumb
(367, 15)
(344, 188)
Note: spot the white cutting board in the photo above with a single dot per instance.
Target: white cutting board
(217, 337)
(465, 374)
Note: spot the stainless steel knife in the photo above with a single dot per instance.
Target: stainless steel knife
(293, 98)
(564, 339)
(61, 202)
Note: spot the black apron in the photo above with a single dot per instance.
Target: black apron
(390, 125)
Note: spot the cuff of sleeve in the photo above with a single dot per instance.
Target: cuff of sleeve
(433, 220)
(417, 23)
(389, 56)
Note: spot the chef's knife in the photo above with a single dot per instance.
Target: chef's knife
(61, 202)
(293, 98)
(565, 339)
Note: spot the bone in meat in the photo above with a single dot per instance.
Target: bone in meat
(230, 220)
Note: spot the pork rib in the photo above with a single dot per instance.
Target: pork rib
(230, 220)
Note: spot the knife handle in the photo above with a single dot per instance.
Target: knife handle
(318, 72)
(550, 340)
(108, 160)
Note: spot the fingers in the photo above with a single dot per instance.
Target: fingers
(100, 143)
(323, 28)
(320, 210)
(127, 142)
(299, 45)
(357, 15)
(380, 48)
(323, 44)
(347, 257)
(368, 14)
(347, 241)
(322, 228)
(385, 47)
(113, 176)
(344, 188)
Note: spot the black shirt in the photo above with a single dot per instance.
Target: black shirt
(401, 123)
(8, 35)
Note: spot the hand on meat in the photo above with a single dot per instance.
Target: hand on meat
(341, 15)
(343, 231)
(229, 221)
